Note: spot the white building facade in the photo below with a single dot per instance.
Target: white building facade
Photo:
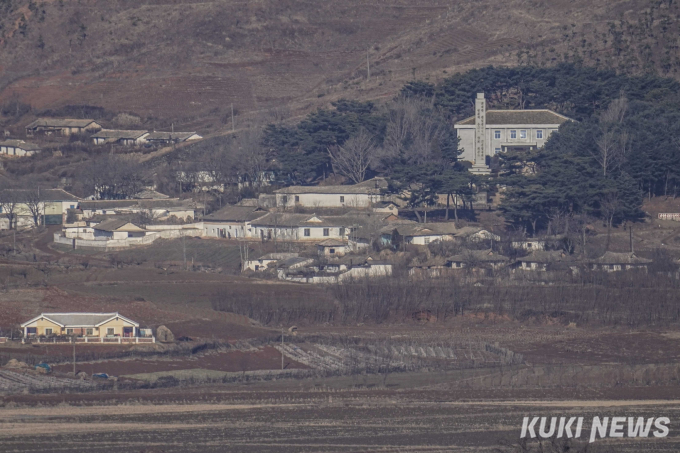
(491, 132)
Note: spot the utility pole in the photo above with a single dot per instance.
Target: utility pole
(281, 348)
(368, 66)
(74, 354)
(233, 127)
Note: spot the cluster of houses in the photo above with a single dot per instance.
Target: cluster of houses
(484, 262)
(97, 133)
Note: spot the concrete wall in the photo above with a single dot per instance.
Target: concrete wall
(224, 229)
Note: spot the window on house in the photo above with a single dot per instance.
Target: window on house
(285, 199)
(522, 134)
(331, 251)
(529, 245)
(539, 133)
(48, 331)
(73, 206)
(297, 198)
(110, 331)
(427, 240)
(89, 331)
(69, 331)
(326, 231)
(342, 199)
(513, 134)
(497, 134)
(342, 231)
(497, 150)
(307, 232)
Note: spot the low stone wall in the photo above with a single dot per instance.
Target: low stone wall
(106, 244)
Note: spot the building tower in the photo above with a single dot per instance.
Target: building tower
(479, 166)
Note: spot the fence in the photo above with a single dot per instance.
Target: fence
(669, 216)
(107, 243)
(94, 340)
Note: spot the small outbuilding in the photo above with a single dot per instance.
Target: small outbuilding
(332, 248)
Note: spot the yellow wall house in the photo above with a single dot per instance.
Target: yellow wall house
(101, 325)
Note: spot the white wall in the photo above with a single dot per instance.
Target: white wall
(325, 200)
(424, 240)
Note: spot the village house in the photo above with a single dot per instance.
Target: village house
(434, 267)
(419, 233)
(18, 148)
(490, 132)
(168, 138)
(119, 137)
(92, 325)
(231, 221)
(116, 229)
(50, 205)
(487, 259)
(614, 262)
(540, 260)
(362, 195)
(163, 209)
(262, 263)
(474, 234)
(336, 272)
(64, 126)
(386, 207)
(332, 248)
(299, 227)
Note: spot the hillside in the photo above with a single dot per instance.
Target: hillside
(187, 61)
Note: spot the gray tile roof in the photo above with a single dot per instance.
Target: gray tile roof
(422, 229)
(22, 195)
(542, 256)
(168, 136)
(118, 134)
(235, 214)
(620, 258)
(486, 256)
(114, 225)
(59, 122)
(21, 144)
(517, 117)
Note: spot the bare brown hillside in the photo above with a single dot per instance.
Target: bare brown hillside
(187, 61)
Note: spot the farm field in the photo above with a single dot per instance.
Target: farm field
(274, 419)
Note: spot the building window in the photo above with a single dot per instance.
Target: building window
(285, 199)
(513, 134)
(342, 199)
(297, 198)
(496, 134)
(307, 232)
(326, 231)
(342, 231)
(497, 150)
(539, 133)
(48, 331)
(69, 331)
(89, 331)
(110, 331)
(522, 134)
(332, 251)
(427, 240)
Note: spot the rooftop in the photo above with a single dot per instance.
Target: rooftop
(23, 195)
(21, 144)
(167, 136)
(235, 214)
(543, 256)
(80, 319)
(117, 225)
(620, 258)
(59, 122)
(371, 186)
(488, 256)
(119, 134)
(332, 243)
(517, 117)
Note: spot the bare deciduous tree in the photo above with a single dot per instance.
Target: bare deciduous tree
(9, 203)
(613, 142)
(354, 157)
(35, 204)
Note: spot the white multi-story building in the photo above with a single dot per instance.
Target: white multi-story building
(491, 132)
